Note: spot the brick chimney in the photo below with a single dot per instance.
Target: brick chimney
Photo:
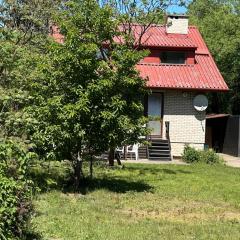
(177, 24)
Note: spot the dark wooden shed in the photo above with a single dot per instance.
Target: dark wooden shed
(223, 133)
(231, 144)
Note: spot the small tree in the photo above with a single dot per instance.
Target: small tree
(84, 103)
(23, 33)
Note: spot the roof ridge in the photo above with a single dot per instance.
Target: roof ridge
(160, 25)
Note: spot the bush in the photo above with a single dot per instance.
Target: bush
(211, 157)
(191, 155)
(15, 189)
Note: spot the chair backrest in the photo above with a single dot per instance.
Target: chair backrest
(135, 147)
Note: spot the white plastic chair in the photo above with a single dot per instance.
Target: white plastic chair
(134, 150)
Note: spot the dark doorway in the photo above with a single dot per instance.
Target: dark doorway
(215, 131)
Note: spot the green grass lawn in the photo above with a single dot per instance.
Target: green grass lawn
(145, 202)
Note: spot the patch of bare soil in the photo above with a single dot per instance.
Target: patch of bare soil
(194, 211)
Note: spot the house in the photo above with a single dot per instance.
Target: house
(179, 71)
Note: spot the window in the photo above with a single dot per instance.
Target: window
(173, 57)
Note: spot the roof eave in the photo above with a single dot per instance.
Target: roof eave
(189, 89)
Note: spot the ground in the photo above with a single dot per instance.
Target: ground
(143, 202)
(231, 160)
(228, 159)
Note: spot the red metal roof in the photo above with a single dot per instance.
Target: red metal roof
(156, 36)
(203, 75)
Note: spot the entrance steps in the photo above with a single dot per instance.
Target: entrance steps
(159, 149)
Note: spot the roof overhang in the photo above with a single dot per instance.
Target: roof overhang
(219, 115)
(205, 90)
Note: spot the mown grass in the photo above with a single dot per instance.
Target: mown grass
(142, 202)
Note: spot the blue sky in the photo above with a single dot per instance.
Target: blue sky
(177, 9)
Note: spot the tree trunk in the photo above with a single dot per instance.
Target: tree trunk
(91, 166)
(78, 173)
(111, 157)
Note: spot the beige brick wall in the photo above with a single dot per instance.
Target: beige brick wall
(187, 126)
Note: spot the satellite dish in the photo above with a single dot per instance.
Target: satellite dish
(200, 103)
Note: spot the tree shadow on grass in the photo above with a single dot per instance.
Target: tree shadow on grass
(53, 178)
(113, 185)
(31, 235)
(62, 180)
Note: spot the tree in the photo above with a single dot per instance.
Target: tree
(83, 102)
(82, 96)
(24, 31)
(219, 22)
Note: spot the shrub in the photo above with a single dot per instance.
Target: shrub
(210, 157)
(15, 189)
(191, 155)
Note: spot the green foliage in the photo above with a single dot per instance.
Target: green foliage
(219, 22)
(15, 189)
(211, 157)
(191, 155)
(83, 104)
(51, 175)
(23, 33)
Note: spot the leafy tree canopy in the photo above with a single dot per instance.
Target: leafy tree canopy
(218, 21)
